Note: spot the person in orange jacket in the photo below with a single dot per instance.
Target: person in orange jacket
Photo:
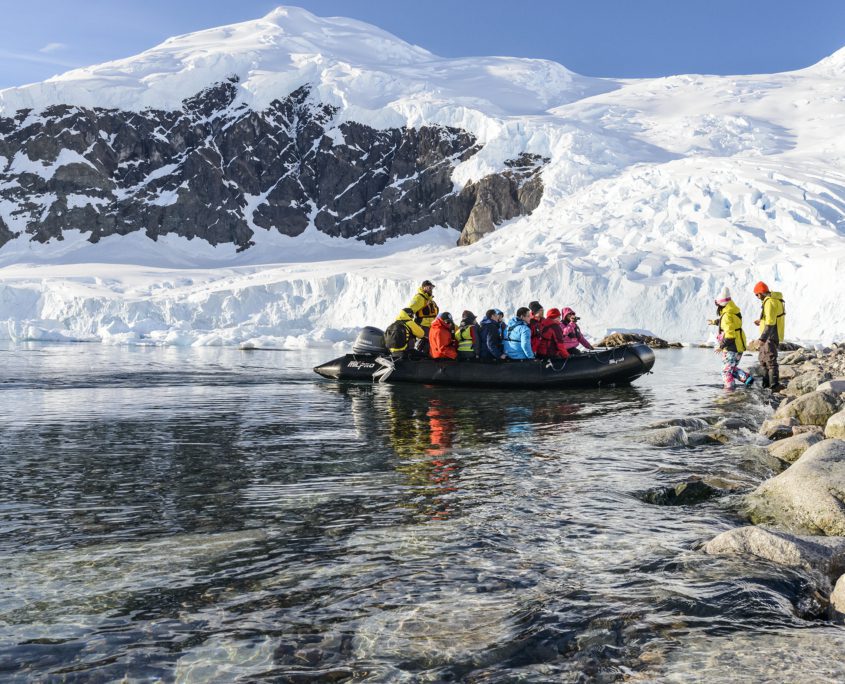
(441, 338)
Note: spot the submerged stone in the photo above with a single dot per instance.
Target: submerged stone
(824, 555)
(683, 494)
(687, 423)
(666, 437)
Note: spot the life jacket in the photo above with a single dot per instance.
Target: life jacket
(442, 341)
(425, 308)
(516, 338)
(465, 337)
(730, 323)
(777, 311)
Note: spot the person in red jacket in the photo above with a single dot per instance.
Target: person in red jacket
(441, 338)
(552, 339)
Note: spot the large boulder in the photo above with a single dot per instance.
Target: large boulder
(791, 448)
(825, 555)
(806, 382)
(813, 408)
(835, 428)
(809, 495)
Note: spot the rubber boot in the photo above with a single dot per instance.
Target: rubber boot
(774, 380)
(765, 377)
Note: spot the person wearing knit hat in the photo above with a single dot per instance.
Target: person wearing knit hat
(724, 297)
(730, 339)
(572, 332)
(551, 337)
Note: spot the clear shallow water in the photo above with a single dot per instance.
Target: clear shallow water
(215, 515)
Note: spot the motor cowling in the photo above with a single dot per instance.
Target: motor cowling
(370, 341)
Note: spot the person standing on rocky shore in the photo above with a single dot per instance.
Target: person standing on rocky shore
(731, 339)
(772, 323)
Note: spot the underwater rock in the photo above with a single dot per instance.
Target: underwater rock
(684, 494)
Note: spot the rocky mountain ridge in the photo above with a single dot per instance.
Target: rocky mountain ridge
(219, 171)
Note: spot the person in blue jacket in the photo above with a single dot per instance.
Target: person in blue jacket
(491, 336)
(517, 337)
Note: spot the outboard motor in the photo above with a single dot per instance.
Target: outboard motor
(370, 341)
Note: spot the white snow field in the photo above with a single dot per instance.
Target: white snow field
(658, 193)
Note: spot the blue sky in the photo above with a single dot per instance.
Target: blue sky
(622, 38)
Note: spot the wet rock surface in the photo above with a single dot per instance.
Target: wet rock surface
(825, 555)
(809, 495)
(219, 171)
(813, 408)
(791, 448)
(692, 491)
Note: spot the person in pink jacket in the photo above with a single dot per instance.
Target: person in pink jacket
(572, 336)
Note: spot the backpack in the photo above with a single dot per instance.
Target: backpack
(396, 335)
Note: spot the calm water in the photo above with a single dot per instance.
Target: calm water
(220, 515)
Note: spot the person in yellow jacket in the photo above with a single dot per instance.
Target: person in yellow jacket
(400, 334)
(425, 311)
(731, 339)
(772, 323)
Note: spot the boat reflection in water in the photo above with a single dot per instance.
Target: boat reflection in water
(435, 433)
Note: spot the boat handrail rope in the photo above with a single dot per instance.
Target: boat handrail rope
(550, 364)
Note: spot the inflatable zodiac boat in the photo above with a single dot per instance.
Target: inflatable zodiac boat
(370, 361)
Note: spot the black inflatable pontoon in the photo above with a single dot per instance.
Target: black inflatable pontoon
(616, 366)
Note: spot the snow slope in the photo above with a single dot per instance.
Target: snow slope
(658, 192)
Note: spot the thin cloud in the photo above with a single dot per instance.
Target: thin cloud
(37, 58)
(53, 47)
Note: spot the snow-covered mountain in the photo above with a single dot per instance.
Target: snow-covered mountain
(292, 178)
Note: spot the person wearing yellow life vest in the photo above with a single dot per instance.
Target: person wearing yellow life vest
(468, 337)
(731, 339)
(400, 334)
(425, 310)
(772, 324)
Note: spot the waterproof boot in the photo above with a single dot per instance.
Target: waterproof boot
(765, 377)
(774, 385)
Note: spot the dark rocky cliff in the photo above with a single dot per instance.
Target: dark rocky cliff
(219, 171)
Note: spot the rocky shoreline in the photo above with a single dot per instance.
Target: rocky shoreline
(797, 516)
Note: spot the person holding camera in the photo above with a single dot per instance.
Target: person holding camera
(572, 335)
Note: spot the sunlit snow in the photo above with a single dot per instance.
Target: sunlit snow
(658, 193)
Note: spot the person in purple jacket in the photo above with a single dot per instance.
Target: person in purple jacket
(572, 335)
